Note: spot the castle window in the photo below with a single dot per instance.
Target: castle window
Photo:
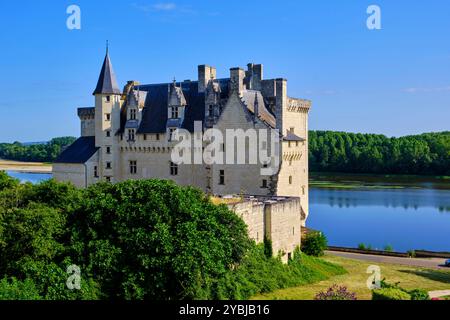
(171, 133)
(296, 144)
(303, 190)
(289, 144)
(95, 172)
(107, 116)
(157, 136)
(265, 165)
(108, 179)
(290, 180)
(133, 167)
(264, 184)
(108, 150)
(108, 133)
(222, 147)
(292, 129)
(222, 177)
(108, 165)
(211, 110)
(173, 169)
(174, 113)
(131, 136)
(145, 137)
(108, 98)
(132, 114)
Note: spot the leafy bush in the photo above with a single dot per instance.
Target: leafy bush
(362, 246)
(12, 289)
(260, 274)
(336, 292)
(411, 253)
(390, 294)
(419, 294)
(148, 239)
(388, 248)
(314, 244)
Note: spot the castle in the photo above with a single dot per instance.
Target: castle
(129, 134)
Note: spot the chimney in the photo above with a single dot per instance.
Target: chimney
(255, 75)
(237, 77)
(205, 74)
(280, 103)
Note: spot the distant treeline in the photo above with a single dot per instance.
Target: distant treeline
(45, 152)
(425, 154)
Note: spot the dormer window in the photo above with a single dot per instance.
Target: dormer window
(171, 133)
(174, 113)
(131, 136)
(133, 114)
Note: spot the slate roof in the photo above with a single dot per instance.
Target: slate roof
(107, 83)
(293, 137)
(249, 97)
(78, 152)
(154, 117)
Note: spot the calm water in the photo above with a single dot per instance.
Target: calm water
(403, 218)
(29, 177)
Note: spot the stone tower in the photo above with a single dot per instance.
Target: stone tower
(107, 120)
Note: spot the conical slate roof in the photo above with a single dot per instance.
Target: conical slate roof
(107, 83)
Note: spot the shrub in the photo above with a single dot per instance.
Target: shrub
(388, 248)
(411, 253)
(361, 246)
(419, 294)
(13, 289)
(314, 244)
(336, 293)
(390, 294)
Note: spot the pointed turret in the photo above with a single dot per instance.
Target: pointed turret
(107, 83)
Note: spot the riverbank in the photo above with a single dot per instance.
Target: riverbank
(25, 167)
(356, 280)
(349, 181)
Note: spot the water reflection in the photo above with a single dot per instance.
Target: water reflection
(404, 218)
(408, 199)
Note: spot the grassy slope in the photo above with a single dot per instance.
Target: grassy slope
(355, 279)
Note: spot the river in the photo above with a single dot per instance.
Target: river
(405, 213)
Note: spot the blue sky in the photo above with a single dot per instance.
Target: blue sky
(394, 81)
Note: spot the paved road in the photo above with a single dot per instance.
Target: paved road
(432, 263)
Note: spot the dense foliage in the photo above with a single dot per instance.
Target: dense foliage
(146, 239)
(390, 294)
(45, 152)
(336, 292)
(395, 292)
(370, 153)
(314, 244)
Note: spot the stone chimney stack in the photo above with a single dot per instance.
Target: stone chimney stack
(255, 75)
(205, 74)
(237, 77)
(281, 104)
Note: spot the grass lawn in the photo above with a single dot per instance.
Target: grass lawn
(355, 280)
